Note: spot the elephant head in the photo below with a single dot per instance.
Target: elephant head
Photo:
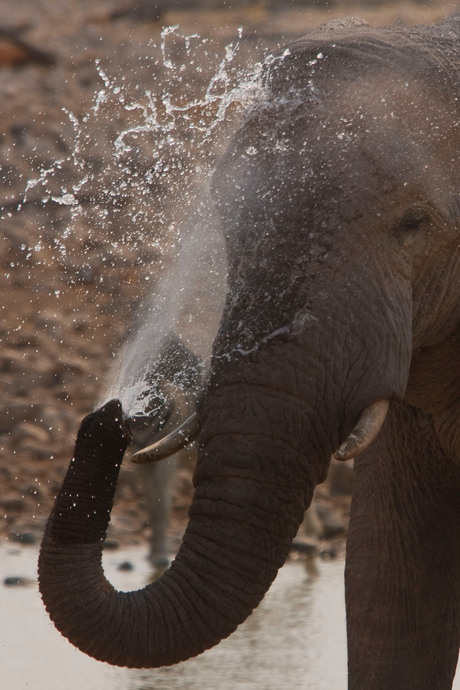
(339, 203)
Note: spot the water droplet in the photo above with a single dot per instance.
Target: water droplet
(65, 200)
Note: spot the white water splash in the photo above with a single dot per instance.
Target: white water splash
(188, 299)
(187, 302)
(140, 161)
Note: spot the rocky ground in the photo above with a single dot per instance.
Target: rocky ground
(88, 219)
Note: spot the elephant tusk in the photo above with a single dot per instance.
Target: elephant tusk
(170, 444)
(365, 431)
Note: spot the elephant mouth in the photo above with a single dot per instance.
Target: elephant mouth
(364, 433)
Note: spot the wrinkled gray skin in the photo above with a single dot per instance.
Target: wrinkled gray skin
(178, 380)
(339, 202)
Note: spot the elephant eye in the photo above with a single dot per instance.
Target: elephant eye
(412, 220)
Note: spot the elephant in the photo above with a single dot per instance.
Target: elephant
(175, 384)
(339, 200)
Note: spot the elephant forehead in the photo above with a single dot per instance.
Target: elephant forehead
(343, 116)
(324, 63)
(301, 148)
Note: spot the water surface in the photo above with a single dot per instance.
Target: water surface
(295, 639)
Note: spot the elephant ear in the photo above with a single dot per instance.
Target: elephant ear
(434, 386)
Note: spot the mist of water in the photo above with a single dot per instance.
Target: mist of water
(187, 303)
(188, 298)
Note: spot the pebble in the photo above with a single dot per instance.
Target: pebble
(26, 431)
(18, 581)
(26, 538)
(111, 545)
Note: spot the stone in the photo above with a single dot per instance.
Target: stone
(27, 538)
(12, 505)
(27, 432)
(18, 581)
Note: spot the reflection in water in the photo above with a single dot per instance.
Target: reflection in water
(297, 633)
(295, 639)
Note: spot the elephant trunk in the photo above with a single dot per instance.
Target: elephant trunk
(245, 513)
(273, 414)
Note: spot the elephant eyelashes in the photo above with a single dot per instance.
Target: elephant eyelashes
(412, 220)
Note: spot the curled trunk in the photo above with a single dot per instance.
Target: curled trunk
(270, 421)
(239, 534)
